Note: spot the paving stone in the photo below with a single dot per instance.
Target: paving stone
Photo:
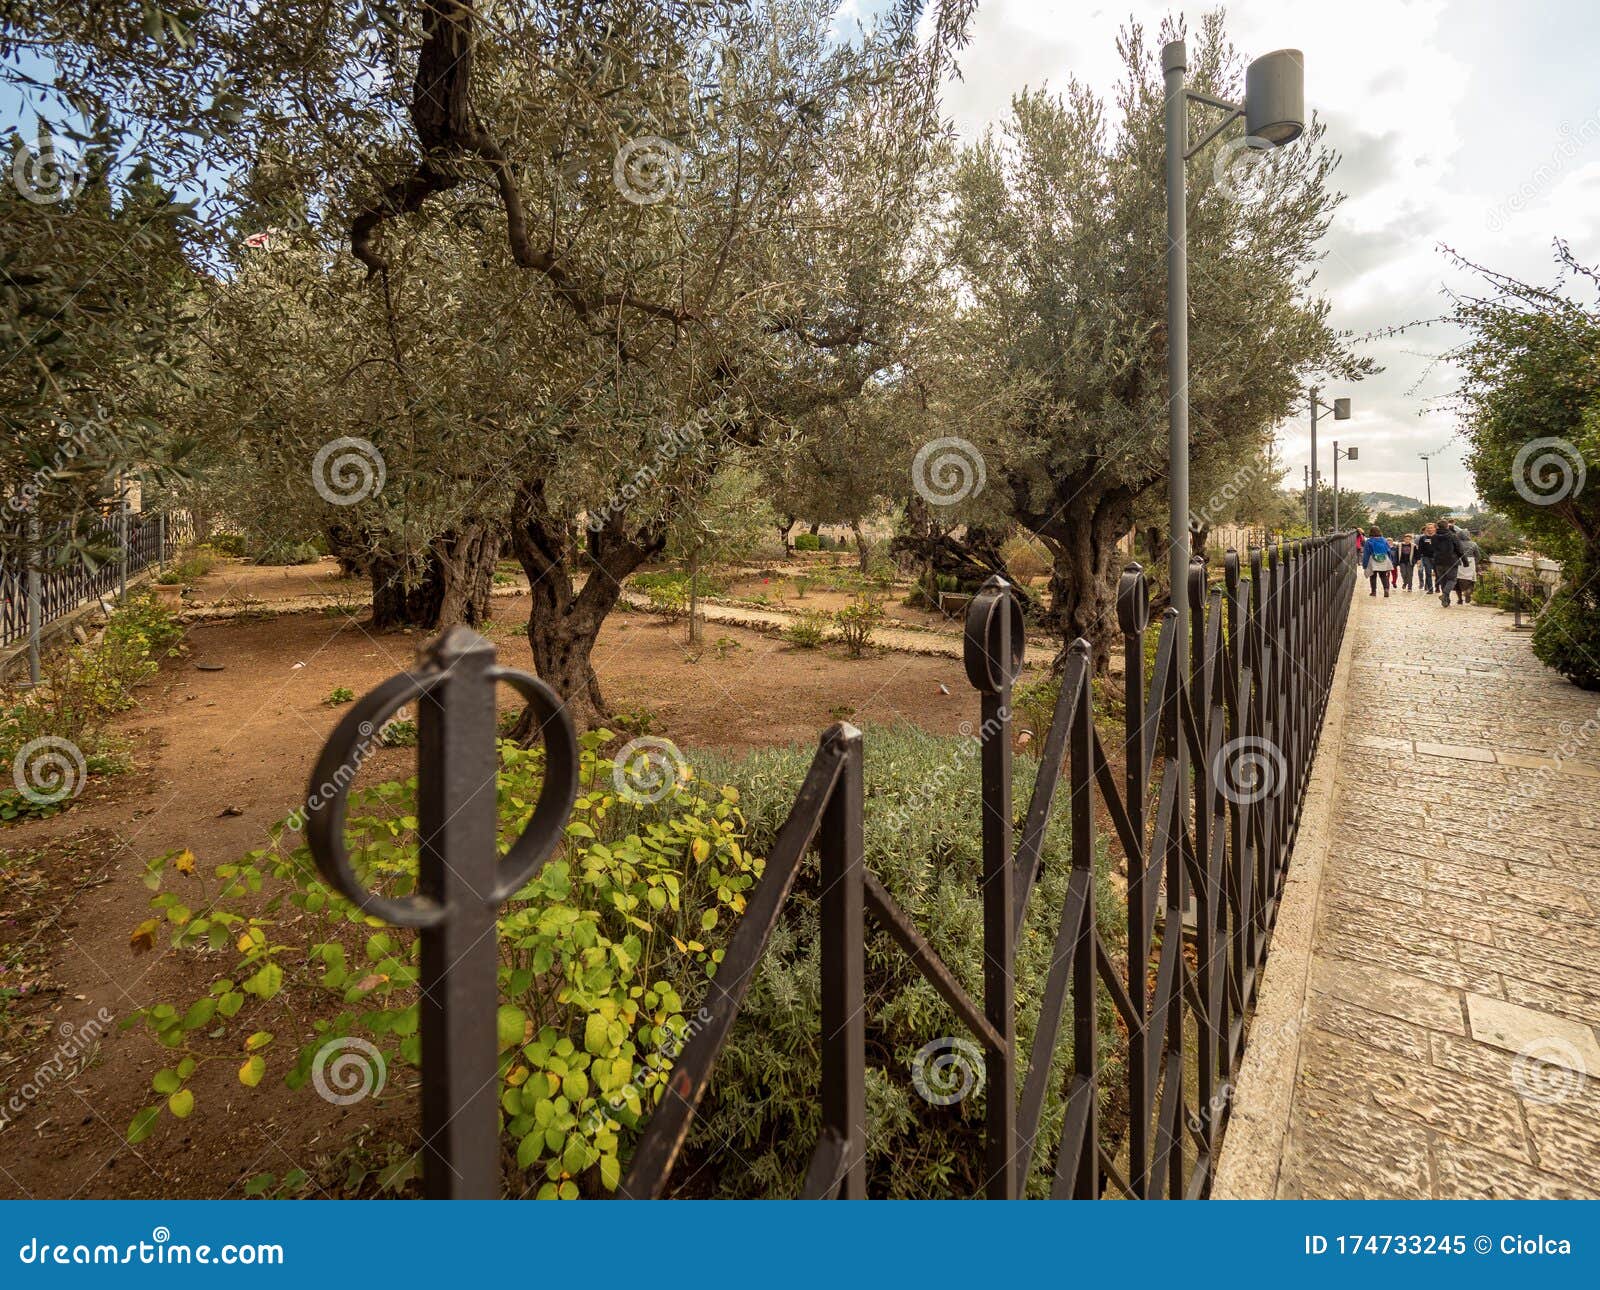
(1466, 1172)
(1394, 994)
(1460, 752)
(1518, 1029)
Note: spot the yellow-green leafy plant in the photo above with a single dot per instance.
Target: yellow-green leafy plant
(605, 958)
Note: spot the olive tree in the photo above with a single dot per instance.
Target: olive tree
(1059, 238)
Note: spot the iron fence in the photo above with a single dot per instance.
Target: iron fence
(1216, 754)
(67, 581)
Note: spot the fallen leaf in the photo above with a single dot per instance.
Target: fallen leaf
(144, 936)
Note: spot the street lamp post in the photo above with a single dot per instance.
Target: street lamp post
(1341, 412)
(1274, 113)
(1349, 454)
(1427, 475)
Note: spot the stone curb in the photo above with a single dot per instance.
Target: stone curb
(1258, 1122)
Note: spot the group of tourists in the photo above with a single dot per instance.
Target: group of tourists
(1442, 558)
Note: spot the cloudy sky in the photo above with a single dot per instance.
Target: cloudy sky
(1472, 123)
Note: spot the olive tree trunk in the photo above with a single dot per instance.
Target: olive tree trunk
(566, 617)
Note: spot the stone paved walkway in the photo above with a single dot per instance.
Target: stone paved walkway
(1451, 1039)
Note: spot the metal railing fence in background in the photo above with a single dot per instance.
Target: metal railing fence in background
(1215, 760)
(35, 592)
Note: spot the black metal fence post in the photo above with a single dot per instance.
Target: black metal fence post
(993, 652)
(460, 883)
(840, 848)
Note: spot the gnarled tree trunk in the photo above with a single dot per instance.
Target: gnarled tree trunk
(565, 619)
(451, 584)
(1083, 576)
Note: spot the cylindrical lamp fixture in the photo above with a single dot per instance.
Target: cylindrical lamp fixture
(1275, 97)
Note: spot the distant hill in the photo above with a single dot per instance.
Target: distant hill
(1391, 502)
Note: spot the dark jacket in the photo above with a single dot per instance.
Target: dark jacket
(1424, 546)
(1449, 545)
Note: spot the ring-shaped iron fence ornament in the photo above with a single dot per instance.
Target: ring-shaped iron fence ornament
(461, 879)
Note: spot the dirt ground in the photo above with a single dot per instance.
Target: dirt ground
(220, 755)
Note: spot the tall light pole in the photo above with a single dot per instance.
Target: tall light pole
(1274, 113)
(1427, 475)
(1341, 412)
(1349, 454)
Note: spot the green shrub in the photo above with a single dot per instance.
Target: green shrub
(81, 687)
(807, 631)
(856, 623)
(287, 552)
(398, 733)
(233, 544)
(194, 563)
(807, 542)
(605, 959)
(761, 1117)
(881, 570)
(339, 694)
(1567, 636)
(710, 584)
(1034, 703)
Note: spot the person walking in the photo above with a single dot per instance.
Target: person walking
(1377, 558)
(1467, 575)
(1406, 559)
(1425, 555)
(1448, 549)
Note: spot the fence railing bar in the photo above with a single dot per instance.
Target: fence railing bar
(669, 1124)
(1042, 802)
(894, 920)
(1072, 931)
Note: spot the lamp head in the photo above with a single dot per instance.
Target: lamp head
(1341, 409)
(1275, 97)
(1351, 454)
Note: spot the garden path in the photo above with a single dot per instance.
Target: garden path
(1450, 1041)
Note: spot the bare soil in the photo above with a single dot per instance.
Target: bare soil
(220, 755)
